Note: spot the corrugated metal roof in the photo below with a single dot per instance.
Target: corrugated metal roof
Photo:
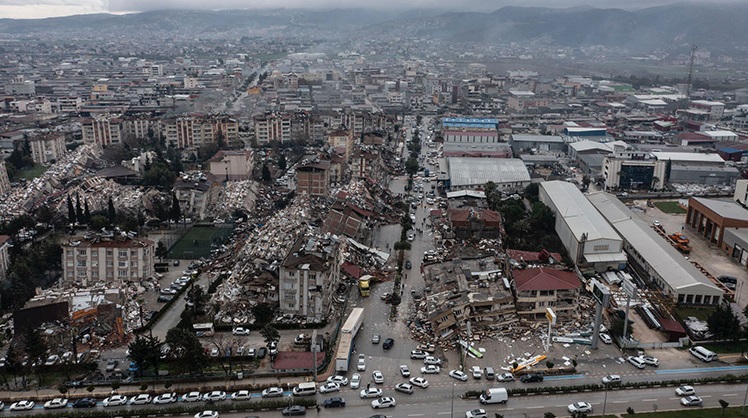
(577, 212)
(669, 264)
(724, 208)
(688, 156)
(464, 171)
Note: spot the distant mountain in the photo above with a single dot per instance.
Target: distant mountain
(717, 27)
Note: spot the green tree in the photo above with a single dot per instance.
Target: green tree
(86, 212)
(161, 250)
(265, 173)
(532, 192)
(71, 211)
(97, 222)
(186, 351)
(269, 333)
(111, 212)
(282, 162)
(176, 212)
(79, 209)
(723, 323)
(542, 218)
(263, 313)
(145, 352)
(197, 300)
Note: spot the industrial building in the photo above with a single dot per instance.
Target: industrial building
(470, 130)
(509, 174)
(536, 143)
(710, 217)
(654, 258)
(589, 239)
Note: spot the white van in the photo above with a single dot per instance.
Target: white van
(702, 353)
(494, 395)
(305, 389)
(637, 362)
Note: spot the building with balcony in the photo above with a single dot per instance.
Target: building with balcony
(232, 165)
(543, 287)
(112, 258)
(47, 148)
(309, 276)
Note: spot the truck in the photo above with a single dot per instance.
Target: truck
(364, 283)
(494, 395)
(680, 242)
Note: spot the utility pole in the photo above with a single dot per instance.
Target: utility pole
(689, 80)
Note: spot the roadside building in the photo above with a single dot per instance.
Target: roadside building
(232, 165)
(193, 191)
(47, 148)
(110, 257)
(309, 276)
(591, 242)
(654, 258)
(710, 217)
(540, 288)
(4, 256)
(469, 223)
(313, 177)
(464, 173)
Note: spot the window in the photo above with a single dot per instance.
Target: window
(69, 253)
(81, 273)
(95, 274)
(94, 264)
(122, 264)
(81, 252)
(81, 263)
(122, 253)
(601, 247)
(109, 264)
(133, 252)
(109, 252)
(122, 273)
(109, 273)
(69, 264)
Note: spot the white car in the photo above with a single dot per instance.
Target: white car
(142, 399)
(477, 374)
(22, 406)
(431, 360)
(459, 375)
(606, 338)
(691, 401)
(56, 403)
(430, 369)
(340, 380)
(329, 387)
(386, 402)
(419, 381)
(214, 396)
(378, 377)
(612, 379)
(214, 352)
(192, 397)
(355, 381)
(505, 377)
(579, 408)
(404, 370)
(361, 366)
(404, 388)
(165, 398)
(240, 331)
(418, 354)
(272, 392)
(476, 413)
(370, 393)
(115, 400)
(652, 361)
(241, 395)
(207, 414)
(685, 391)
(52, 360)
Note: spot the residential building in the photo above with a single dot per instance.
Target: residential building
(232, 165)
(539, 288)
(272, 127)
(4, 256)
(470, 223)
(193, 191)
(4, 180)
(309, 276)
(47, 148)
(715, 110)
(112, 258)
(313, 178)
(103, 129)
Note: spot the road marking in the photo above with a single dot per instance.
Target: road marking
(534, 407)
(620, 401)
(706, 396)
(649, 400)
(443, 413)
(730, 394)
(415, 415)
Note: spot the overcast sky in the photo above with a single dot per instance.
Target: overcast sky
(30, 9)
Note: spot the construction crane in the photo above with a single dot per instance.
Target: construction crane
(689, 80)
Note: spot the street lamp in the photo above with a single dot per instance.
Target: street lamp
(605, 400)
(452, 411)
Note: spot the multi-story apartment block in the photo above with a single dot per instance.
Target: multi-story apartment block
(193, 192)
(272, 127)
(232, 165)
(194, 131)
(4, 180)
(313, 178)
(20, 86)
(103, 130)
(4, 256)
(309, 276)
(110, 258)
(47, 147)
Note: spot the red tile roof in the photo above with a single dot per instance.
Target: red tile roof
(545, 279)
(529, 256)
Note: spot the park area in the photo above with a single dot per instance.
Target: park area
(199, 241)
(670, 207)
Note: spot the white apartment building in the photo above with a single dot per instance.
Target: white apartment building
(106, 258)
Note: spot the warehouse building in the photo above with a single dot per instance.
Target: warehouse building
(591, 242)
(509, 174)
(654, 258)
(710, 217)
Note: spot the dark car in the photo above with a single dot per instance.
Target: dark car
(531, 378)
(164, 298)
(336, 402)
(84, 403)
(294, 410)
(111, 365)
(262, 352)
(388, 343)
(408, 264)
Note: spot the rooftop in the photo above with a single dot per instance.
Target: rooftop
(541, 278)
(466, 171)
(724, 208)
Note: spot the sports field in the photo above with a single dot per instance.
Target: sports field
(670, 207)
(197, 242)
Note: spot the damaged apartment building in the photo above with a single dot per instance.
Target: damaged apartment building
(310, 275)
(467, 291)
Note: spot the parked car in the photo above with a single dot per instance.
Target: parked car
(652, 361)
(115, 400)
(375, 339)
(431, 360)
(612, 379)
(476, 371)
(459, 375)
(207, 414)
(531, 378)
(142, 399)
(385, 402)
(84, 403)
(685, 391)
(361, 366)
(336, 402)
(378, 377)
(165, 398)
(340, 380)
(430, 369)
(505, 377)
(111, 364)
(355, 381)
(294, 410)
(241, 395)
(606, 338)
(476, 413)
(262, 352)
(192, 397)
(404, 388)
(215, 396)
(419, 381)
(240, 331)
(22, 406)
(329, 387)
(408, 264)
(691, 401)
(579, 408)
(418, 354)
(637, 362)
(56, 403)
(272, 392)
(388, 343)
(404, 370)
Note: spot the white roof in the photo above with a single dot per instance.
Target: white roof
(717, 134)
(592, 145)
(653, 102)
(466, 171)
(577, 212)
(688, 157)
(669, 264)
(707, 103)
(537, 138)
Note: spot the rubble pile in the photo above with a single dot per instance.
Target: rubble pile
(27, 197)
(97, 191)
(235, 195)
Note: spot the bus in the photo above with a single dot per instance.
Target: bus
(204, 329)
(347, 334)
